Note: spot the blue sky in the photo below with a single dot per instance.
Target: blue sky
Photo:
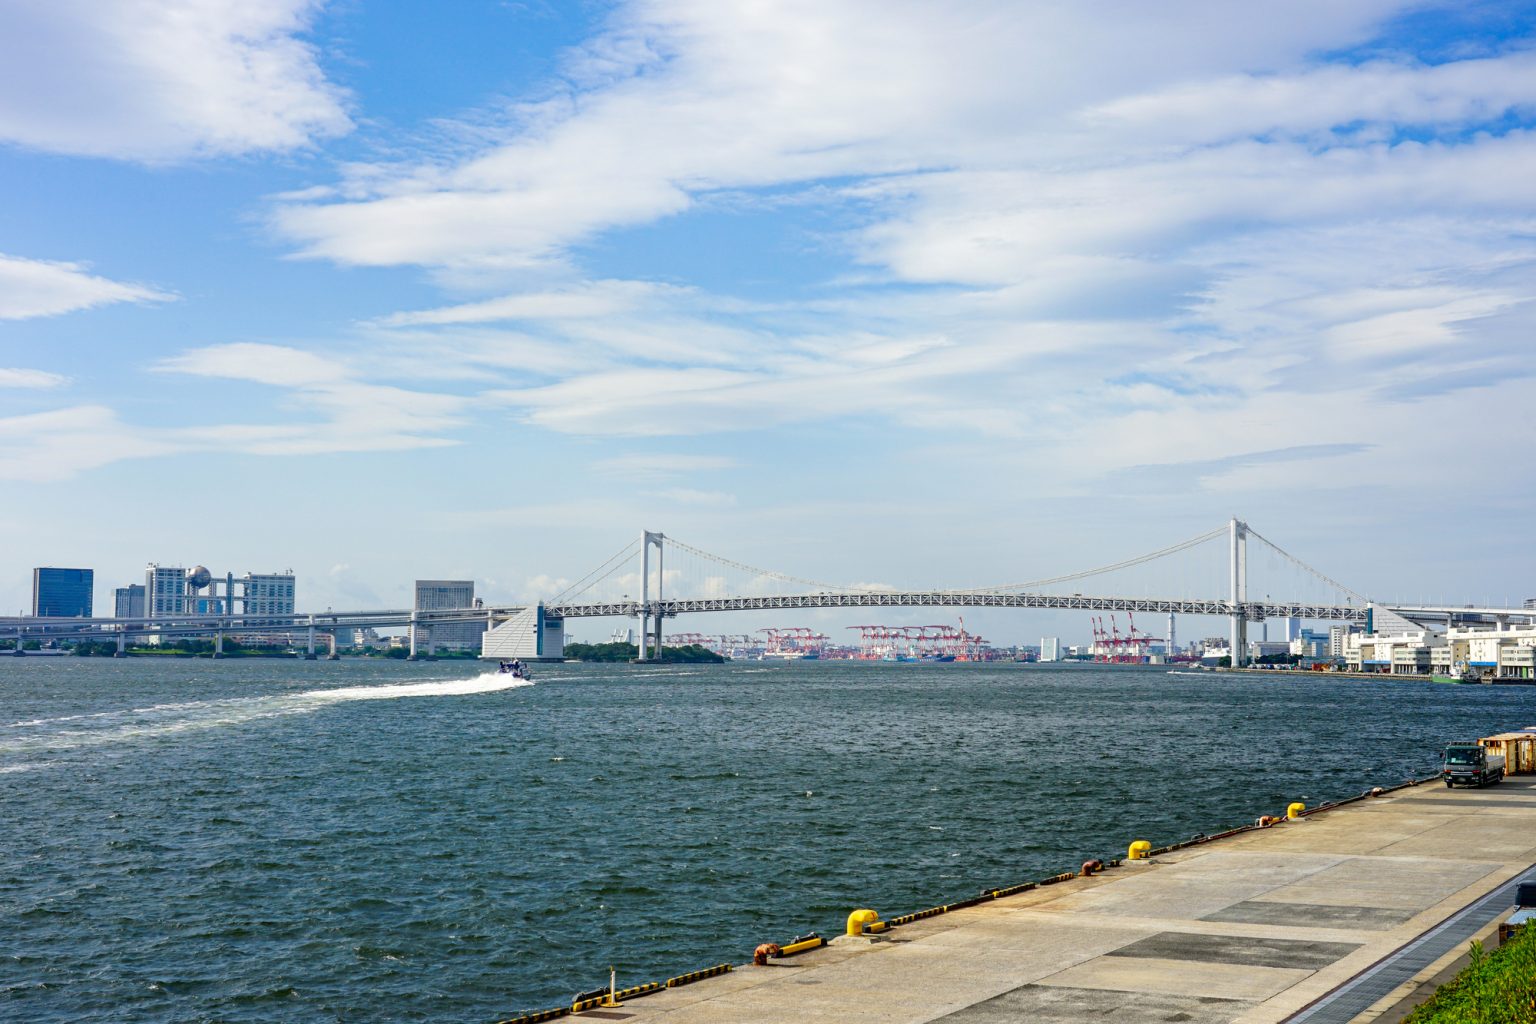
(925, 295)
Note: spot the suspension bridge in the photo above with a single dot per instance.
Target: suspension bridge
(635, 583)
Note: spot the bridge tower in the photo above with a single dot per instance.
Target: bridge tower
(647, 539)
(1238, 622)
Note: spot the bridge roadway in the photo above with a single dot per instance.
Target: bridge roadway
(187, 625)
(1252, 611)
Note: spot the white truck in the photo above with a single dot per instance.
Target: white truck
(1471, 765)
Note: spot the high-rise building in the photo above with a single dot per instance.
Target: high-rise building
(64, 593)
(436, 595)
(1338, 639)
(165, 591)
(267, 594)
(128, 602)
(1050, 648)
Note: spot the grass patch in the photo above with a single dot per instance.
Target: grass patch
(1495, 988)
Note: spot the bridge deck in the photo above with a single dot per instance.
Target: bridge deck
(1250, 929)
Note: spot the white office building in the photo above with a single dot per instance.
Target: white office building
(165, 590)
(1050, 648)
(438, 595)
(267, 594)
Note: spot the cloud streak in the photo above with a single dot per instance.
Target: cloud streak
(163, 80)
(36, 288)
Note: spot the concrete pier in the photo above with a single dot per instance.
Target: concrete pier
(1328, 918)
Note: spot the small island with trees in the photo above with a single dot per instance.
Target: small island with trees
(622, 652)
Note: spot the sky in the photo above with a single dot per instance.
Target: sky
(928, 295)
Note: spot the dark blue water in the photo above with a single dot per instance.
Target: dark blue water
(364, 841)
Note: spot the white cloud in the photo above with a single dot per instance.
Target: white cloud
(590, 300)
(680, 97)
(1095, 233)
(33, 288)
(1113, 200)
(157, 80)
(354, 415)
(39, 379)
(660, 466)
(693, 496)
(279, 365)
(60, 443)
(330, 409)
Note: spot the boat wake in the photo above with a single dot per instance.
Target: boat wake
(74, 732)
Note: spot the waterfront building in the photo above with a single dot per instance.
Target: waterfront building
(128, 602)
(1395, 645)
(62, 593)
(1310, 643)
(165, 590)
(1507, 652)
(1503, 652)
(1050, 648)
(1338, 639)
(439, 595)
(266, 594)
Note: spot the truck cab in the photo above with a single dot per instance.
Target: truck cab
(1470, 764)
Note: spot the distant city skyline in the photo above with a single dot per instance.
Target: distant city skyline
(911, 295)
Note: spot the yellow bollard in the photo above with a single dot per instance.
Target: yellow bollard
(1294, 810)
(1139, 850)
(859, 919)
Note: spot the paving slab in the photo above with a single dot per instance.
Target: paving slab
(1057, 1004)
(1399, 883)
(1178, 977)
(1485, 835)
(1247, 950)
(1311, 915)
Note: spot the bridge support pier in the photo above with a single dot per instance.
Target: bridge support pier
(647, 539)
(309, 647)
(218, 644)
(331, 640)
(1238, 622)
(122, 644)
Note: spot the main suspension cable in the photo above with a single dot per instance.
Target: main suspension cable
(1128, 563)
(781, 576)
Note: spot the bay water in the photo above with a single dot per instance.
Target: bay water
(365, 840)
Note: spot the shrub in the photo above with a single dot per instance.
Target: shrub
(1495, 988)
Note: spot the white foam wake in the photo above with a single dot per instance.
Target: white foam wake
(56, 734)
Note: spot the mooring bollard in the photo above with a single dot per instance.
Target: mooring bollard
(1294, 810)
(1139, 850)
(860, 919)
